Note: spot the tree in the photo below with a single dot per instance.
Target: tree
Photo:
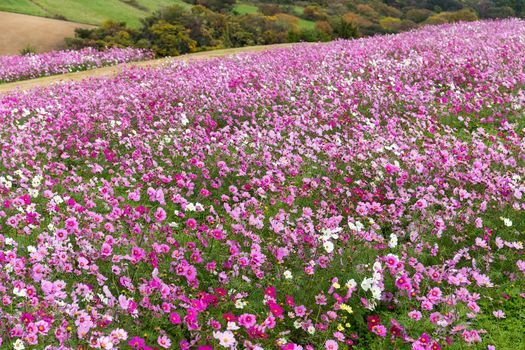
(217, 5)
(367, 11)
(395, 25)
(314, 13)
(270, 9)
(289, 21)
(307, 35)
(417, 15)
(388, 11)
(344, 29)
(324, 27)
(517, 5)
(356, 19)
(109, 34)
(170, 40)
(501, 12)
(451, 17)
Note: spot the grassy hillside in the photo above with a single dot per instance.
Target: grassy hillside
(97, 11)
(22, 6)
(91, 12)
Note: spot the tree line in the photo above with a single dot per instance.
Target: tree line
(214, 24)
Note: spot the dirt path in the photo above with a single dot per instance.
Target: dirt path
(113, 70)
(44, 34)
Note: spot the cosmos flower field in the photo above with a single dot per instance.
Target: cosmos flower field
(22, 67)
(364, 194)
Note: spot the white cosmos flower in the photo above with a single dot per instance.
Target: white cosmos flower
(19, 345)
(376, 292)
(507, 222)
(226, 338)
(367, 283)
(239, 304)
(328, 246)
(371, 305)
(21, 292)
(393, 241)
(351, 284)
(232, 326)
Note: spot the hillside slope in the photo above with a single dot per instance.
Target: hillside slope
(97, 11)
(91, 12)
(18, 31)
(364, 194)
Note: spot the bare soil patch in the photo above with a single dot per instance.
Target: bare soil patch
(18, 31)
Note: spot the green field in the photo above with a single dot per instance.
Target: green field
(97, 11)
(244, 9)
(22, 6)
(88, 11)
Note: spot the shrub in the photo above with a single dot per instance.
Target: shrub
(308, 35)
(170, 40)
(270, 9)
(314, 13)
(417, 15)
(367, 11)
(344, 29)
(452, 17)
(325, 27)
(28, 50)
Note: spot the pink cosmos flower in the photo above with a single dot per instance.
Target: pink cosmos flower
(300, 311)
(424, 339)
(379, 330)
(415, 315)
(498, 314)
(137, 254)
(247, 320)
(331, 345)
(164, 341)
(175, 318)
(275, 309)
(137, 343)
(160, 214)
(71, 224)
(191, 223)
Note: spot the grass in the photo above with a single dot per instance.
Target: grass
(245, 9)
(93, 11)
(305, 24)
(89, 12)
(153, 5)
(97, 11)
(22, 6)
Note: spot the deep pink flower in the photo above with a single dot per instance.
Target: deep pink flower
(175, 318)
(247, 320)
(160, 214)
(191, 223)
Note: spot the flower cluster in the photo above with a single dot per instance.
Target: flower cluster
(22, 67)
(356, 194)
